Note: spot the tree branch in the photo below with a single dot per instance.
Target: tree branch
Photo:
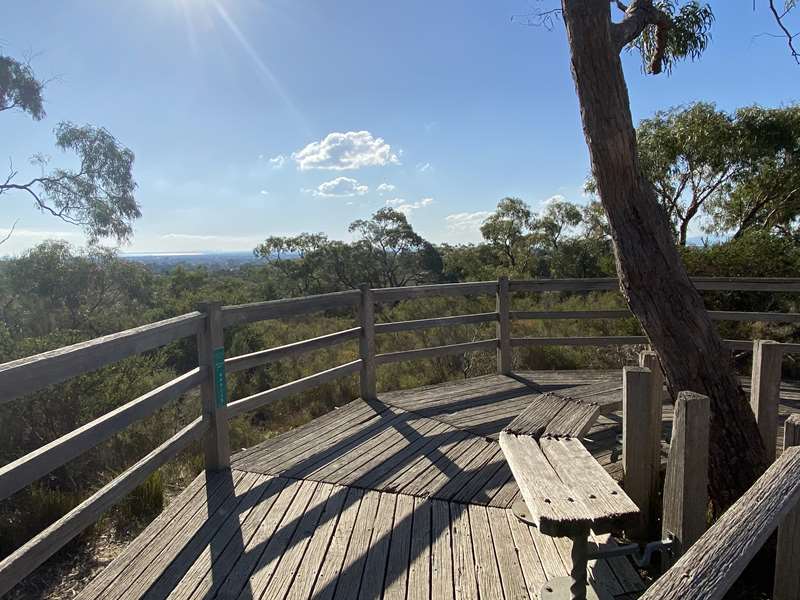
(639, 15)
(789, 35)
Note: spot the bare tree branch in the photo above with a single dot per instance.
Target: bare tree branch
(8, 235)
(779, 19)
(638, 15)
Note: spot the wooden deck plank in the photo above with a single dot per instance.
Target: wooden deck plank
(331, 566)
(441, 552)
(290, 561)
(168, 542)
(452, 465)
(486, 569)
(170, 568)
(549, 556)
(213, 579)
(279, 542)
(209, 560)
(468, 471)
(424, 461)
(378, 554)
(419, 569)
(237, 578)
(395, 584)
(529, 560)
(318, 547)
(176, 512)
(465, 579)
(353, 568)
(508, 559)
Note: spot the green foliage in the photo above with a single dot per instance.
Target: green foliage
(19, 88)
(731, 172)
(144, 502)
(687, 37)
(99, 195)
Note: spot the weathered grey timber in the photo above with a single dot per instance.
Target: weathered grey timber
(423, 291)
(213, 389)
(32, 554)
(26, 375)
(614, 340)
(503, 327)
(479, 346)
(787, 553)
(653, 425)
(19, 473)
(686, 484)
(397, 326)
(234, 364)
(641, 457)
(713, 564)
(765, 391)
(366, 345)
(290, 307)
(295, 387)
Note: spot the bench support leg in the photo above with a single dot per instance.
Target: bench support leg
(574, 587)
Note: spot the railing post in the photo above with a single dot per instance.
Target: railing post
(765, 387)
(686, 485)
(503, 328)
(655, 404)
(366, 345)
(639, 428)
(213, 389)
(787, 558)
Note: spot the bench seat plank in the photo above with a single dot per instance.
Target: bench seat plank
(555, 510)
(607, 504)
(551, 414)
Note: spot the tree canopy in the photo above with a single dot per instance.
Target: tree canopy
(99, 195)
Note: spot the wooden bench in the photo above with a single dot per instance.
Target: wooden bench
(565, 490)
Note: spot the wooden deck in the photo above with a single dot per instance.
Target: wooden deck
(407, 497)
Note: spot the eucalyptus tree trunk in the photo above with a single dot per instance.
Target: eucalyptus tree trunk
(651, 274)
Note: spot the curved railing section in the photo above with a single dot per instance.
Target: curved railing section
(27, 375)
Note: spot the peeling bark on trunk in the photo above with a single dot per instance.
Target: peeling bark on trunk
(651, 274)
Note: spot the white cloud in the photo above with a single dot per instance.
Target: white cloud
(277, 162)
(466, 221)
(264, 193)
(407, 208)
(385, 188)
(346, 151)
(424, 167)
(341, 186)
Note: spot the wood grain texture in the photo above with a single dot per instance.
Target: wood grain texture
(686, 483)
(713, 564)
(213, 390)
(262, 357)
(290, 307)
(765, 391)
(787, 554)
(639, 429)
(398, 326)
(433, 352)
(27, 469)
(28, 557)
(385, 295)
(26, 375)
(503, 327)
(295, 387)
(366, 345)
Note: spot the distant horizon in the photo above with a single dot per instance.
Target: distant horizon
(253, 119)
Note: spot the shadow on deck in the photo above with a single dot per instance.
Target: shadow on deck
(406, 497)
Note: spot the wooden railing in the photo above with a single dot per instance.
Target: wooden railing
(25, 376)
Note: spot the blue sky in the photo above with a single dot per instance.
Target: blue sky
(452, 105)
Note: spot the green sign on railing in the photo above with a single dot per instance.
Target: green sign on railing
(219, 377)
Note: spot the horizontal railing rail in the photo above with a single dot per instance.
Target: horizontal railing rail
(435, 351)
(28, 557)
(262, 357)
(713, 564)
(24, 471)
(277, 309)
(27, 375)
